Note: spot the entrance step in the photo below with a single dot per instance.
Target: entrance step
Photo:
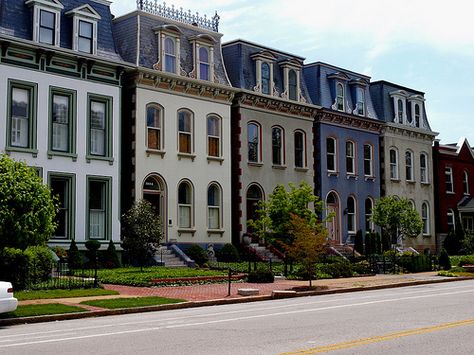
(264, 253)
(166, 257)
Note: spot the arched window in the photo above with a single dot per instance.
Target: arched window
(278, 148)
(400, 110)
(203, 63)
(292, 85)
(412, 204)
(465, 182)
(254, 195)
(340, 97)
(154, 191)
(360, 93)
(170, 55)
(368, 160)
(300, 149)
(350, 157)
(393, 164)
(423, 168)
(214, 203)
(425, 212)
(265, 78)
(351, 214)
(185, 131)
(154, 123)
(369, 204)
(331, 154)
(448, 174)
(253, 140)
(213, 136)
(185, 205)
(409, 165)
(451, 220)
(417, 115)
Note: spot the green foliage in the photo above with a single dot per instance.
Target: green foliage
(132, 302)
(40, 263)
(373, 243)
(34, 310)
(141, 231)
(467, 244)
(453, 241)
(275, 214)
(261, 276)
(92, 245)
(443, 260)
(308, 244)
(362, 268)
(51, 294)
(359, 242)
(228, 253)
(74, 257)
(198, 254)
(466, 260)
(27, 209)
(134, 276)
(60, 252)
(415, 263)
(342, 268)
(14, 267)
(110, 259)
(397, 218)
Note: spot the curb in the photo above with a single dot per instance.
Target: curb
(215, 302)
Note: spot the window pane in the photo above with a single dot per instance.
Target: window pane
(299, 150)
(265, 78)
(213, 147)
(46, 35)
(292, 87)
(154, 138)
(20, 112)
(59, 188)
(47, 27)
(153, 117)
(214, 218)
(184, 194)
(184, 121)
(185, 216)
(97, 127)
(85, 45)
(213, 196)
(253, 141)
(185, 143)
(85, 29)
(97, 210)
(169, 46)
(277, 146)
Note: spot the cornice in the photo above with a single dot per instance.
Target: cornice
(345, 120)
(274, 104)
(408, 132)
(183, 85)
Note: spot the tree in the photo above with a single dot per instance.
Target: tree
(27, 209)
(397, 218)
(309, 243)
(275, 215)
(141, 231)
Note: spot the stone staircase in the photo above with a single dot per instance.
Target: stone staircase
(346, 250)
(166, 257)
(264, 253)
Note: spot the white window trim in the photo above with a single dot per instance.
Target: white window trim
(259, 142)
(219, 138)
(465, 182)
(53, 6)
(449, 171)
(190, 133)
(282, 147)
(352, 215)
(87, 14)
(286, 82)
(174, 33)
(449, 213)
(363, 101)
(218, 207)
(411, 167)
(396, 164)
(160, 129)
(333, 155)
(338, 83)
(197, 64)
(370, 160)
(416, 100)
(353, 158)
(189, 205)
(304, 158)
(426, 180)
(399, 95)
(426, 220)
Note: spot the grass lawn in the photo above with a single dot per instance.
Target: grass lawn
(48, 294)
(42, 310)
(131, 302)
(134, 277)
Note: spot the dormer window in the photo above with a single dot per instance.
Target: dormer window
(46, 21)
(400, 110)
(85, 20)
(292, 85)
(416, 102)
(203, 63)
(360, 97)
(399, 107)
(417, 115)
(340, 97)
(203, 49)
(170, 55)
(265, 78)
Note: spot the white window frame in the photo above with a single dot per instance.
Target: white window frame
(213, 136)
(368, 216)
(360, 99)
(424, 170)
(448, 178)
(425, 217)
(351, 215)
(399, 96)
(169, 54)
(281, 148)
(208, 43)
(465, 182)
(350, 158)
(331, 155)
(183, 132)
(303, 149)
(189, 205)
(213, 208)
(409, 166)
(258, 143)
(52, 6)
(451, 218)
(160, 129)
(85, 13)
(340, 97)
(174, 33)
(394, 165)
(201, 63)
(416, 100)
(369, 161)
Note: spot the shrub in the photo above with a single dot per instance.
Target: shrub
(444, 261)
(466, 260)
(359, 242)
(74, 257)
(40, 263)
(14, 266)
(198, 254)
(362, 268)
(415, 263)
(111, 259)
(338, 269)
(228, 254)
(452, 242)
(60, 252)
(467, 244)
(261, 276)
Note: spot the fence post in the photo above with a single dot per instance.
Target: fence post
(271, 264)
(96, 284)
(230, 280)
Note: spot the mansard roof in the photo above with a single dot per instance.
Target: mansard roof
(382, 92)
(16, 20)
(456, 148)
(321, 79)
(143, 48)
(240, 56)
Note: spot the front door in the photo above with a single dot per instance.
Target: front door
(154, 193)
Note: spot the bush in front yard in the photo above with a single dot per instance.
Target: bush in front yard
(443, 260)
(74, 257)
(110, 258)
(261, 276)
(198, 254)
(40, 263)
(14, 265)
(228, 254)
(342, 268)
(466, 260)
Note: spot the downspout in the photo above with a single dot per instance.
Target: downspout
(137, 63)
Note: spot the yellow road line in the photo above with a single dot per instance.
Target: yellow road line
(376, 339)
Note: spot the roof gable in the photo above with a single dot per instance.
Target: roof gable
(49, 3)
(84, 11)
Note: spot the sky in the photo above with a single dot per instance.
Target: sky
(421, 44)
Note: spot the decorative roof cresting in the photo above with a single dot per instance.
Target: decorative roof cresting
(180, 15)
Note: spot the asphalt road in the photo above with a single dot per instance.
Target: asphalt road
(428, 319)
